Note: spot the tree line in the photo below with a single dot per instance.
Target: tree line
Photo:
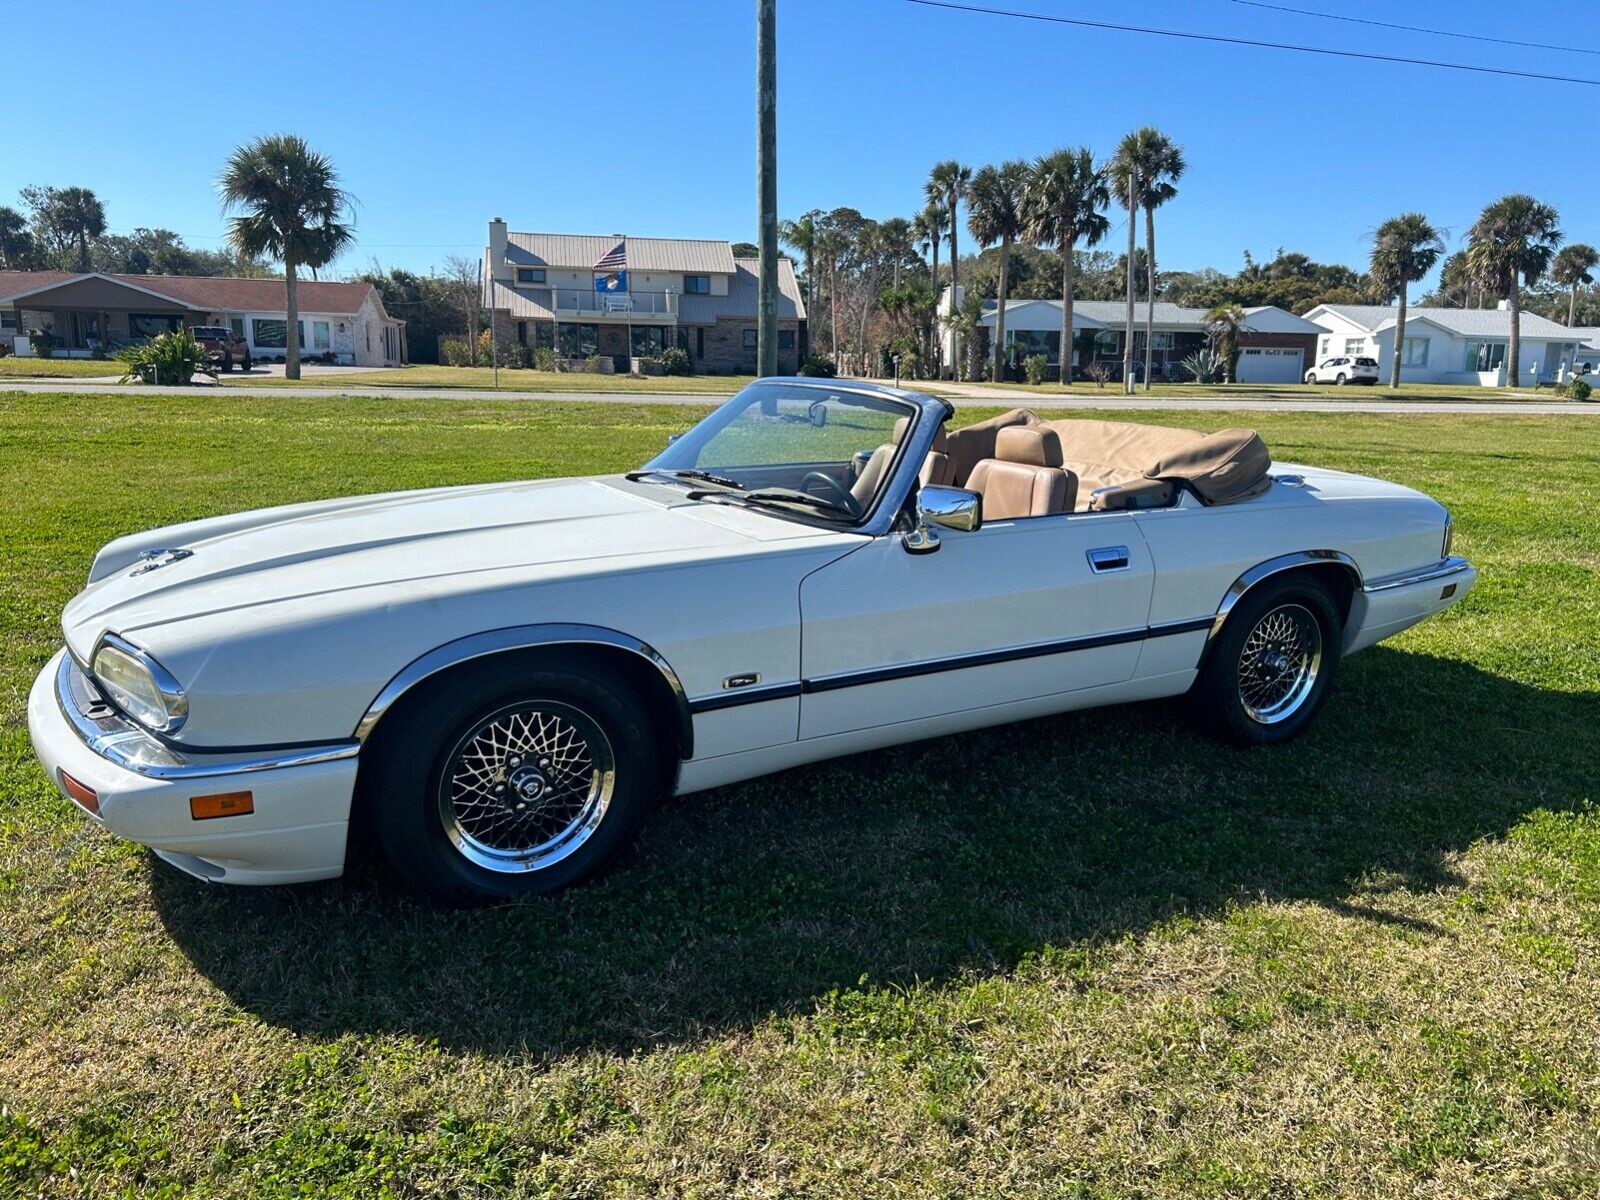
(1037, 229)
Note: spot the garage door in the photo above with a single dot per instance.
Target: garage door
(1268, 364)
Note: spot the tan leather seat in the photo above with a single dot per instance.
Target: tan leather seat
(1025, 478)
(971, 444)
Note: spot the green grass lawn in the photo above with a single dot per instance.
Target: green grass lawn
(12, 367)
(424, 375)
(1090, 956)
(1275, 391)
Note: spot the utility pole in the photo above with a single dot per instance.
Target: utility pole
(1127, 335)
(767, 184)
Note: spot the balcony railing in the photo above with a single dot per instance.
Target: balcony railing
(585, 301)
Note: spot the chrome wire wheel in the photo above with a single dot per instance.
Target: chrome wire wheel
(1279, 663)
(526, 786)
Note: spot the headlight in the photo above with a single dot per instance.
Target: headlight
(139, 685)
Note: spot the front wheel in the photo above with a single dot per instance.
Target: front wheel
(1340, 379)
(1311, 377)
(514, 778)
(1267, 673)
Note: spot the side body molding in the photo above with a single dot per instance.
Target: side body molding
(1273, 566)
(526, 637)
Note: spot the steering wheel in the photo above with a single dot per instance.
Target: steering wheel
(839, 493)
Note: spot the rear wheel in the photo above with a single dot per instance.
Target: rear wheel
(1340, 379)
(1267, 673)
(516, 777)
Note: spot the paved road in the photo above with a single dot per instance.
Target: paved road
(970, 396)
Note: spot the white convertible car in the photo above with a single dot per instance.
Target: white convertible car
(495, 681)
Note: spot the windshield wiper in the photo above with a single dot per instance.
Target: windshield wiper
(690, 473)
(802, 498)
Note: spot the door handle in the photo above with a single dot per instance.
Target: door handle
(1105, 559)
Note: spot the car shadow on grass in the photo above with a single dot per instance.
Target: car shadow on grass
(930, 862)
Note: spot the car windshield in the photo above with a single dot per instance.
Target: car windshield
(809, 450)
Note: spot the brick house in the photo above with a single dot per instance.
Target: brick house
(627, 298)
(80, 313)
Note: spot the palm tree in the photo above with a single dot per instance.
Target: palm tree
(929, 226)
(1061, 205)
(801, 235)
(994, 214)
(1571, 269)
(1155, 164)
(1224, 324)
(293, 210)
(1511, 244)
(1404, 249)
(82, 217)
(947, 185)
(16, 243)
(895, 239)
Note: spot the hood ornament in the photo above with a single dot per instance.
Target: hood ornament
(159, 558)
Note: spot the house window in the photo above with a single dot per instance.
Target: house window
(368, 328)
(270, 333)
(149, 325)
(649, 340)
(1326, 342)
(1354, 345)
(544, 335)
(530, 274)
(749, 339)
(785, 339)
(320, 336)
(237, 325)
(522, 333)
(1485, 356)
(697, 285)
(1106, 342)
(1414, 352)
(577, 341)
(700, 342)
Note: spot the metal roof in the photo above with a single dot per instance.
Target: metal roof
(1111, 314)
(582, 251)
(743, 291)
(203, 293)
(522, 303)
(1463, 322)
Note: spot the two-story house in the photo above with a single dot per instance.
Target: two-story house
(620, 298)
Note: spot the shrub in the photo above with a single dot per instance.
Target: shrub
(1579, 389)
(44, 344)
(544, 359)
(1099, 372)
(1035, 366)
(819, 365)
(1205, 365)
(453, 351)
(169, 358)
(675, 361)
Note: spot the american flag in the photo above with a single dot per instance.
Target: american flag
(616, 260)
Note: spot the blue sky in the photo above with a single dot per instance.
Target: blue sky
(638, 117)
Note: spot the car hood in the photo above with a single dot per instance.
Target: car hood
(425, 540)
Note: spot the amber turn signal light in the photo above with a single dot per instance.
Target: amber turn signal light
(222, 804)
(82, 794)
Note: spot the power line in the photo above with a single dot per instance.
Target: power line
(1471, 37)
(1237, 41)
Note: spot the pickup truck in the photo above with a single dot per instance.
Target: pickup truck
(224, 348)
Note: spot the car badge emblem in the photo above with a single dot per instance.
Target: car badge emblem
(159, 558)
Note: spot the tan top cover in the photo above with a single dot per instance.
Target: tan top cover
(1220, 467)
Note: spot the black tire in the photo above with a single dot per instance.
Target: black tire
(246, 364)
(1217, 702)
(1311, 378)
(424, 832)
(1340, 379)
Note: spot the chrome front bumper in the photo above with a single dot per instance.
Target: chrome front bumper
(301, 795)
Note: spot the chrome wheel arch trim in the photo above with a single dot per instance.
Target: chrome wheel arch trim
(1276, 566)
(526, 637)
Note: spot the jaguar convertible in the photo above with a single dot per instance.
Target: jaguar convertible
(494, 682)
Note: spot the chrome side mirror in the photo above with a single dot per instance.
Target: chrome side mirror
(946, 508)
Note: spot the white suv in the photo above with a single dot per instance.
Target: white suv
(1344, 369)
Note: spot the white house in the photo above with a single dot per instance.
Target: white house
(1448, 345)
(80, 313)
(1275, 346)
(1588, 360)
